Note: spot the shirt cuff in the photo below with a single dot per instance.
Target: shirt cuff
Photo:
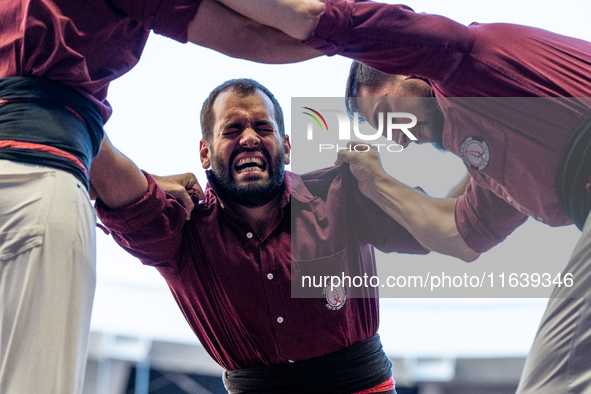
(136, 215)
(334, 26)
(173, 18)
(483, 230)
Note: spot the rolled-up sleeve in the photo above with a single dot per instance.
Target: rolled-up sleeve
(149, 229)
(169, 18)
(392, 38)
(483, 219)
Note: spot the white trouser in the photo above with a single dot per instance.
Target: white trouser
(47, 279)
(560, 358)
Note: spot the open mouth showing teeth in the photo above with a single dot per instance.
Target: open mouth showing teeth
(250, 164)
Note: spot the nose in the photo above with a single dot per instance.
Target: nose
(249, 138)
(401, 139)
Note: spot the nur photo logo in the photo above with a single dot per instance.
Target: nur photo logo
(348, 130)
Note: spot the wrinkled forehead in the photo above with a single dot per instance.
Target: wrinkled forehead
(232, 105)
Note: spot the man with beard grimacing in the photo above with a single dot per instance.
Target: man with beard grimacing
(57, 60)
(230, 266)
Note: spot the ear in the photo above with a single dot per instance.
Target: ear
(287, 148)
(204, 154)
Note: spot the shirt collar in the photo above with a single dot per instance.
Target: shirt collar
(299, 191)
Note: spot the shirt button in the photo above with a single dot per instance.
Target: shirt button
(509, 199)
(540, 219)
(270, 276)
(249, 235)
(279, 319)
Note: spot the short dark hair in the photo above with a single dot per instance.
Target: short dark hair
(360, 75)
(244, 87)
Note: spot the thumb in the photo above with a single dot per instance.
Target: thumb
(191, 183)
(184, 198)
(342, 158)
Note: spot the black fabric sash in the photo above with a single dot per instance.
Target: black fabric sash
(46, 112)
(573, 173)
(358, 367)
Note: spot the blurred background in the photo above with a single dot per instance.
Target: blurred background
(140, 342)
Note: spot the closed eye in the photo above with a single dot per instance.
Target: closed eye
(264, 126)
(230, 132)
(232, 128)
(265, 130)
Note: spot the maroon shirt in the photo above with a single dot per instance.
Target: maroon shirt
(85, 43)
(524, 139)
(235, 288)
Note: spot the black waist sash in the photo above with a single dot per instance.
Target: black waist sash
(37, 112)
(358, 367)
(573, 173)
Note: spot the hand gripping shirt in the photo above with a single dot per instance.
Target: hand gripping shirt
(234, 288)
(509, 139)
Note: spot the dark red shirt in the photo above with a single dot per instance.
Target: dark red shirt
(235, 288)
(524, 139)
(85, 43)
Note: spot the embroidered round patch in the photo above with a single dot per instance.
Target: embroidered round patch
(334, 297)
(475, 152)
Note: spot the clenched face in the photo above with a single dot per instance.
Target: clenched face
(402, 95)
(247, 154)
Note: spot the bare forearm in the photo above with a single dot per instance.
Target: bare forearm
(217, 27)
(297, 18)
(430, 220)
(115, 178)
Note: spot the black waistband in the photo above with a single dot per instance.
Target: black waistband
(573, 173)
(44, 112)
(356, 368)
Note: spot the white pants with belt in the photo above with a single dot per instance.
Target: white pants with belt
(47, 279)
(560, 358)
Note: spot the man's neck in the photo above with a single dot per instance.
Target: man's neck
(260, 218)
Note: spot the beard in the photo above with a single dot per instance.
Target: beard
(252, 193)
